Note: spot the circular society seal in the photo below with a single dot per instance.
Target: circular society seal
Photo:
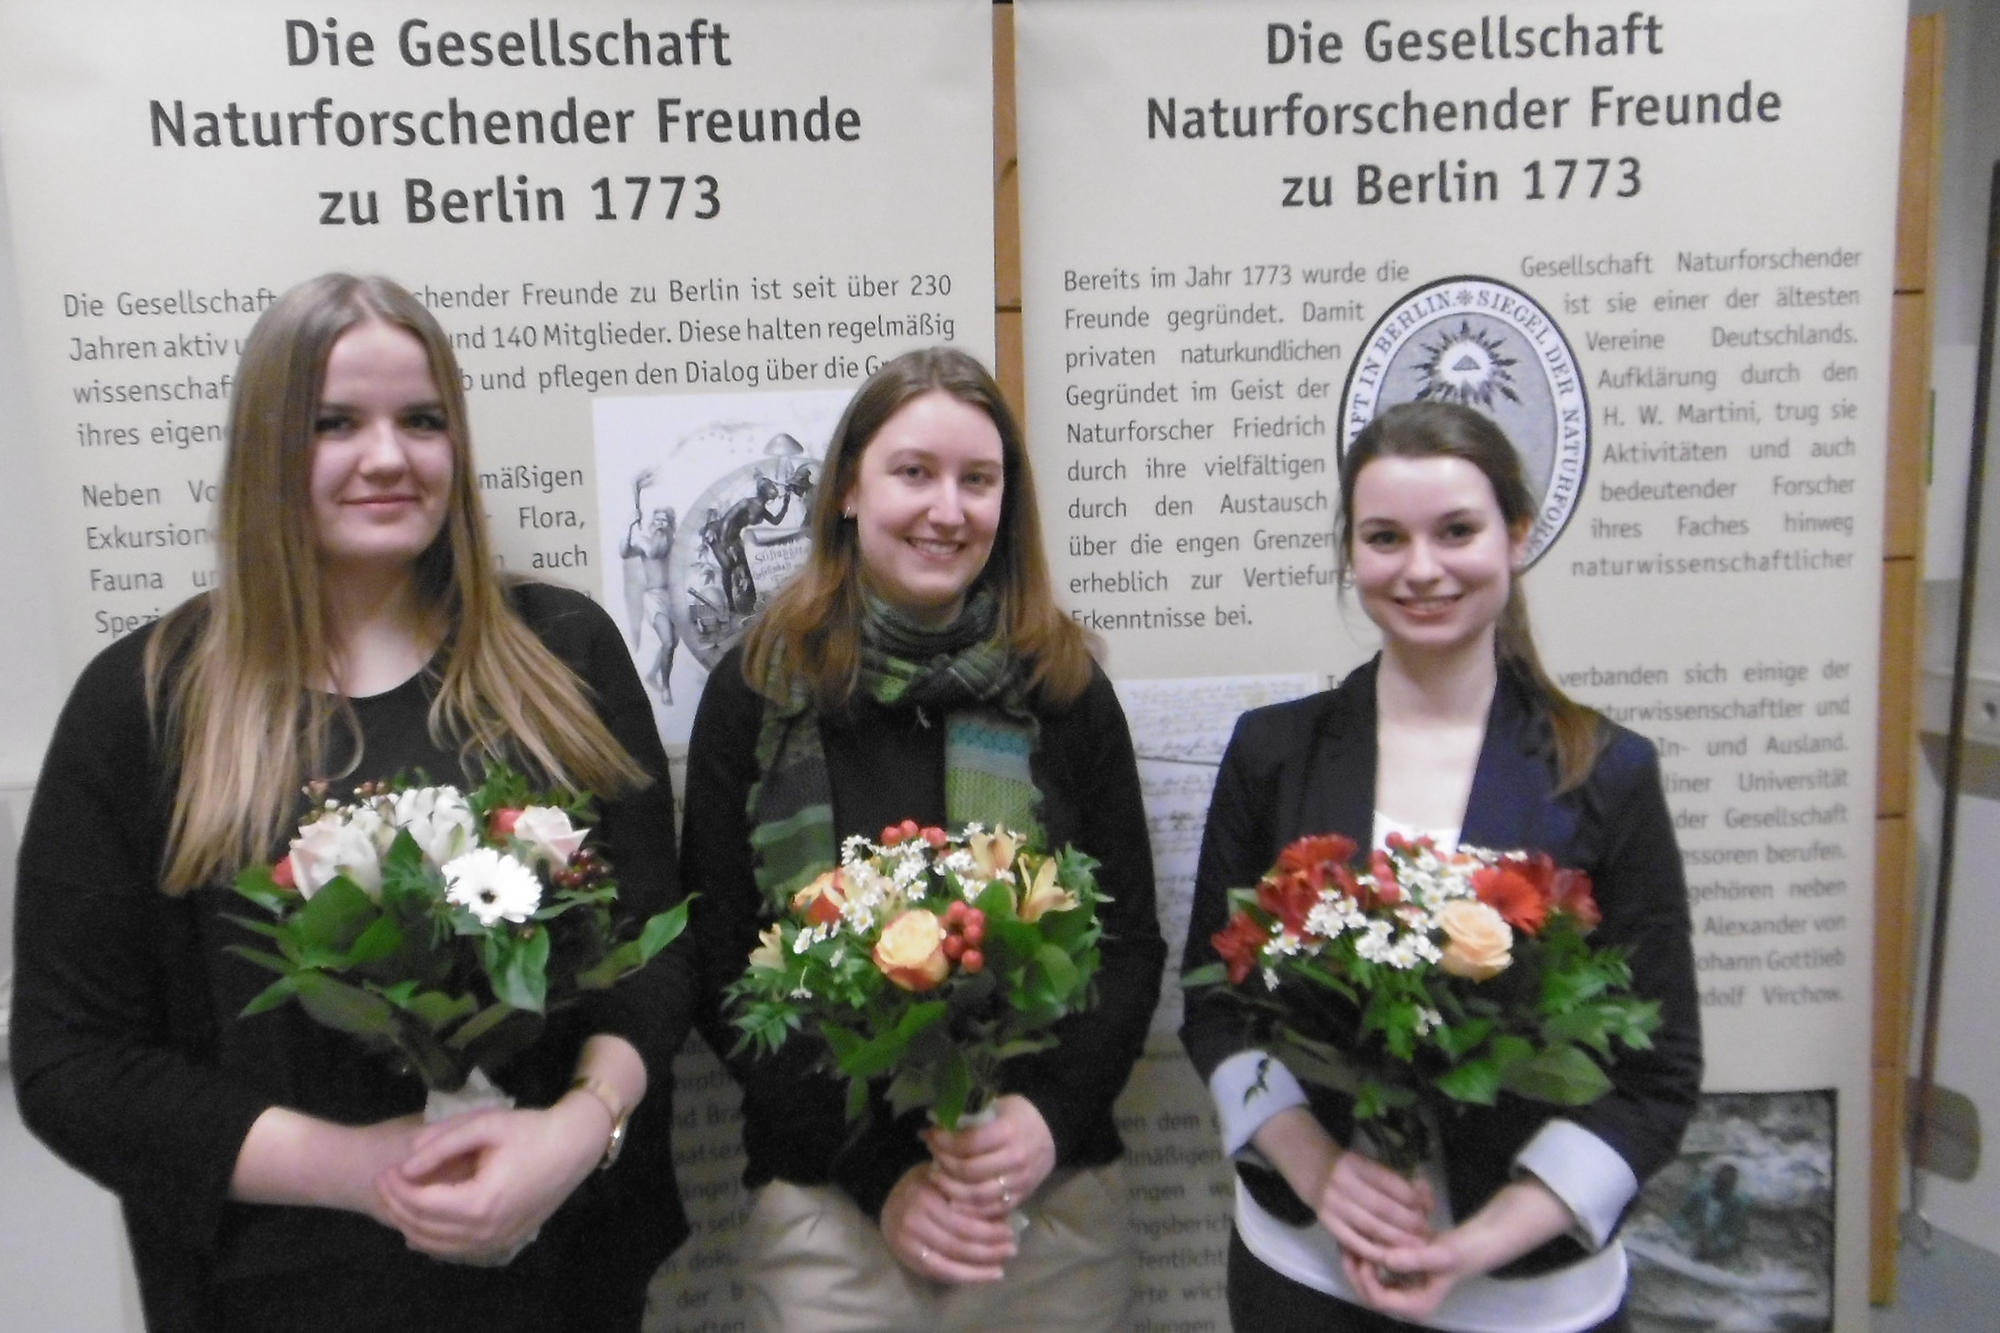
(1493, 348)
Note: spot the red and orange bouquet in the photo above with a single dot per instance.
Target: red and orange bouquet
(929, 959)
(1414, 979)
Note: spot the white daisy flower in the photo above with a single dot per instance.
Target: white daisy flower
(492, 886)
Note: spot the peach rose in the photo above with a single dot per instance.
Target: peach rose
(820, 901)
(1478, 940)
(911, 950)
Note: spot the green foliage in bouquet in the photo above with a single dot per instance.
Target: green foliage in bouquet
(929, 960)
(442, 927)
(1427, 979)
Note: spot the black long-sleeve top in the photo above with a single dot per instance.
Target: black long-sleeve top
(131, 1062)
(887, 765)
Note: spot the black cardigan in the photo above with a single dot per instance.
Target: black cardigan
(1308, 766)
(888, 765)
(131, 1062)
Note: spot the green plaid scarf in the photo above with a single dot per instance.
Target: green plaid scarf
(963, 671)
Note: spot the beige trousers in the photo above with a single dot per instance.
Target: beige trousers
(813, 1262)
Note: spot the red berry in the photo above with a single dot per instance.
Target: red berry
(972, 961)
(975, 929)
(891, 835)
(935, 836)
(953, 947)
(909, 828)
(955, 914)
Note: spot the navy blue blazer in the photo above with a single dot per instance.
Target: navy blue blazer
(1308, 766)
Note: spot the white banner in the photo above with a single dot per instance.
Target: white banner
(1655, 245)
(609, 202)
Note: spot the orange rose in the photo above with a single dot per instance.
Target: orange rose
(911, 950)
(820, 901)
(1478, 942)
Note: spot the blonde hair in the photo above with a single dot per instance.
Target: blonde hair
(813, 624)
(231, 678)
(1448, 430)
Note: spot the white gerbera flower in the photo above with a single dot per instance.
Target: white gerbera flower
(492, 886)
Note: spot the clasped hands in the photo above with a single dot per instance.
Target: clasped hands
(949, 1218)
(476, 1188)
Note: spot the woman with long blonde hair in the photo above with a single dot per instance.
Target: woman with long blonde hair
(272, 1173)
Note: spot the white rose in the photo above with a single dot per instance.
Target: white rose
(440, 821)
(492, 885)
(338, 846)
(549, 837)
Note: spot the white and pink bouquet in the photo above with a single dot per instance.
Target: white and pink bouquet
(440, 925)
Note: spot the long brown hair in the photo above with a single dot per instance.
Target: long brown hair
(1448, 430)
(813, 624)
(231, 677)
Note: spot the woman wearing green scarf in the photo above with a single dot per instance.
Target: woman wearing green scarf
(919, 668)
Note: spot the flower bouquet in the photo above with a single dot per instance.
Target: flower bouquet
(442, 926)
(1425, 979)
(930, 959)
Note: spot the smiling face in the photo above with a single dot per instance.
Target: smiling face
(1431, 554)
(926, 503)
(382, 454)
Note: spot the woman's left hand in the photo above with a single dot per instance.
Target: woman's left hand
(476, 1188)
(1521, 1216)
(1423, 1275)
(990, 1169)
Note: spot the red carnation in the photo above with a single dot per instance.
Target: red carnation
(1570, 892)
(1517, 890)
(1288, 898)
(1316, 850)
(1238, 945)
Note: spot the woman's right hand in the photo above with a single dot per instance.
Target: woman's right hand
(937, 1239)
(1365, 1206)
(1369, 1208)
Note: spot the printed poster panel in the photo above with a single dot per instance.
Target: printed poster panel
(601, 203)
(1655, 246)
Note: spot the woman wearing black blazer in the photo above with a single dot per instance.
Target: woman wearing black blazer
(1454, 731)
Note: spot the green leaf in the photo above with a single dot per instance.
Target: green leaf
(344, 1007)
(1058, 971)
(262, 959)
(954, 1085)
(327, 926)
(269, 998)
(1560, 1076)
(1474, 1081)
(1208, 974)
(256, 884)
(518, 967)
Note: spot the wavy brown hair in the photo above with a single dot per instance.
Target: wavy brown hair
(1448, 430)
(232, 678)
(813, 624)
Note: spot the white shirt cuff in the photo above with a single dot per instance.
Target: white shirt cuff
(1243, 1106)
(1585, 1172)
